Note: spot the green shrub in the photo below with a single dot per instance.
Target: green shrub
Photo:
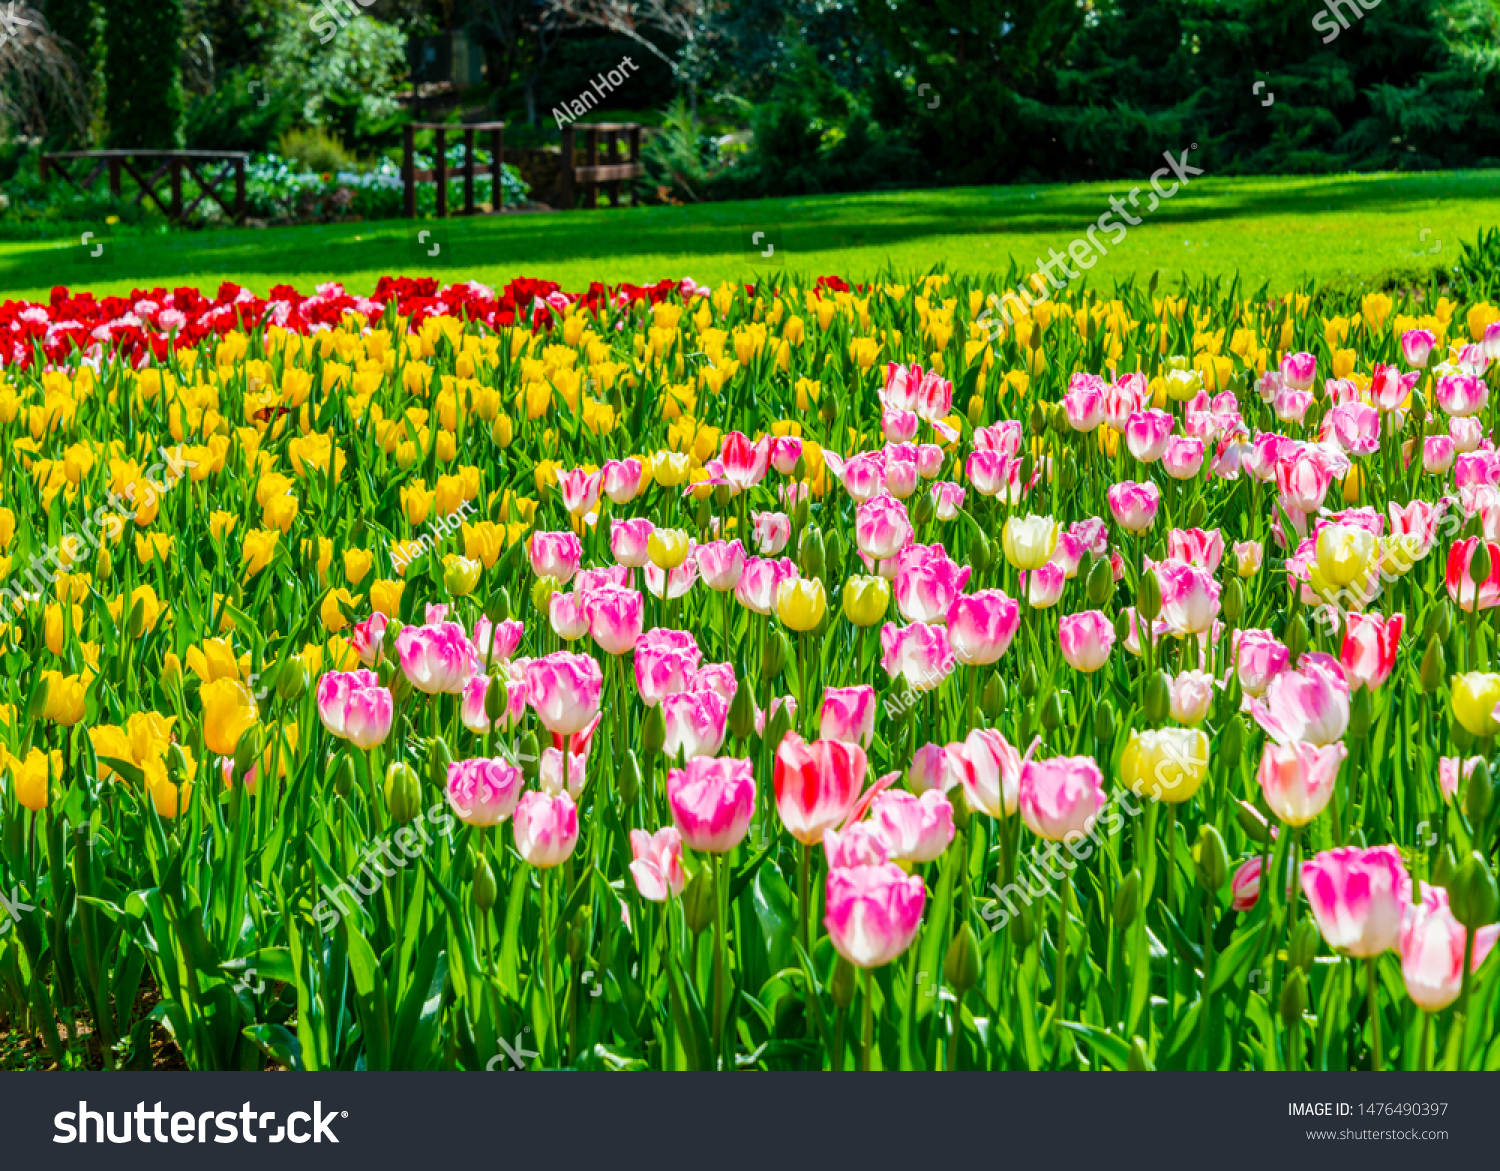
(316, 149)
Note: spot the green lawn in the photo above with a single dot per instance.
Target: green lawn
(1277, 229)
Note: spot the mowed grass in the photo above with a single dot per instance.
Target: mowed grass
(1278, 230)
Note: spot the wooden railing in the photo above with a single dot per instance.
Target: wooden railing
(169, 165)
(594, 174)
(440, 171)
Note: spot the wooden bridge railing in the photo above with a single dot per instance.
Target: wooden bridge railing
(439, 172)
(169, 165)
(594, 174)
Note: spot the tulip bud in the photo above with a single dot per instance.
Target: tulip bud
(497, 609)
(1210, 859)
(1233, 602)
(485, 888)
(1127, 900)
(1303, 948)
(529, 755)
(810, 553)
(778, 726)
(703, 515)
(496, 700)
(923, 508)
(1052, 713)
(698, 900)
(292, 680)
(961, 965)
(246, 751)
(1038, 424)
(774, 652)
(38, 703)
(992, 699)
(1023, 922)
(502, 431)
(1028, 468)
(1197, 513)
(1444, 867)
(1067, 477)
(1029, 682)
(541, 595)
(1122, 627)
(961, 816)
(1232, 743)
(799, 469)
(1139, 1060)
(1463, 740)
(1432, 623)
(1434, 666)
(843, 983)
(834, 552)
(981, 556)
(1293, 997)
(138, 617)
(403, 792)
(653, 730)
(1101, 582)
(1158, 698)
(176, 764)
(1479, 565)
(439, 757)
(976, 410)
(742, 713)
(1359, 713)
(1148, 597)
(1296, 638)
(1104, 724)
(628, 783)
(1473, 897)
(343, 776)
(1480, 797)
(1256, 828)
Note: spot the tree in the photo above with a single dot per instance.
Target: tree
(143, 74)
(40, 86)
(693, 25)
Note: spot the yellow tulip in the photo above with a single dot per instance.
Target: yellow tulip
(801, 603)
(1030, 542)
(228, 711)
(1168, 764)
(667, 548)
(866, 599)
(460, 575)
(65, 696)
(1474, 698)
(221, 524)
(357, 563)
(215, 659)
(332, 613)
(257, 549)
(385, 597)
(1346, 554)
(31, 778)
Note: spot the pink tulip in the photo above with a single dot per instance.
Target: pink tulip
(1183, 457)
(1298, 371)
(862, 844)
(1147, 434)
(629, 539)
(1298, 778)
(848, 714)
(918, 829)
(550, 772)
(696, 723)
(899, 426)
(1248, 556)
(881, 527)
(900, 390)
(1467, 434)
(1369, 651)
(483, 792)
(615, 617)
(863, 476)
(1461, 587)
(1358, 898)
(900, 477)
(817, 784)
(665, 661)
(1044, 586)
(1084, 408)
(357, 708)
(1189, 597)
(1134, 505)
(1433, 944)
(778, 702)
(1356, 426)
(786, 450)
(934, 397)
(621, 479)
(1244, 887)
(769, 532)
(925, 591)
(919, 653)
(716, 677)
(981, 626)
(1308, 705)
(499, 640)
(756, 589)
(437, 659)
(988, 471)
(564, 689)
(1196, 547)
(657, 868)
(948, 498)
(474, 716)
(930, 458)
(1291, 406)
(580, 490)
(1267, 385)
(1449, 769)
(992, 779)
(1492, 341)
(568, 618)
(1462, 395)
(555, 555)
(873, 912)
(721, 563)
(1061, 797)
(745, 463)
(1192, 693)
(1003, 438)
(934, 767)
(673, 583)
(1259, 656)
(546, 828)
(1390, 388)
(1123, 399)
(712, 802)
(1416, 347)
(368, 639)
(1068, 554)
(1085, 639)
(1473, 359)
(1303, 479)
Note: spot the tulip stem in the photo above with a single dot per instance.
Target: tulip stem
(1060, 1002)
(1377, 1054)
(1424, 1061)
(720, 898)
(547, 963)
(1461, 1018)
(804, 867)
(868, 1034)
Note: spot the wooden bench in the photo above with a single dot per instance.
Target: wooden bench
(439, 172)
(594, 174)
(169, 164)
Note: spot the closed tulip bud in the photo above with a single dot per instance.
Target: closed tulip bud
(496, 700)
(1256, 828)
(1233, 601)
(834, 551)
(1480, 797)
(1148, 597)
(1104, 723)
(810, 553)
(1473, 897)
(529, 755)
(343, 776)
(1139, 1061)
(1479, 565)
(1210, 859)
(1445, 620)
(628, 783)
(1293, 997)
(1444, 867)
(703, 515)
(177, 765)
(1038, 422)
(981, 556)
(1232, 745)
(502, 431)
(1432, 624)
(1122, 627)
(1028, 468)
(778, 726)
(698, 900)
(799, 469)
(292, 680)
(976, 410)
(460, 576)
(742, 713)
(1023, 924)
(246, 751)
(961, 816)
(992, 700)
(403, 792)
(1359, 713)
(1296, 637)
(1127, 900)
(498, 608)
(1029, 681)
(923, 508)
(485, 889)
(1197, 513)
(866, 600)
(961, 965)
(1434, 666)
(541, 595)
(137, 618)
(1158, 698)
(654, 730)
(439, 757)
(774, 651)
(1303, 948)
(1101, 582)
(843, 983)
(1052, 713)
